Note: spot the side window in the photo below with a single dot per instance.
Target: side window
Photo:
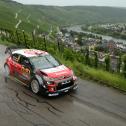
(25, 62)
(15, 57)
(26, 65)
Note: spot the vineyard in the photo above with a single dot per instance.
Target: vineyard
(81, 62)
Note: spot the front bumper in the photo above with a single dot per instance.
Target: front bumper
(62, 91)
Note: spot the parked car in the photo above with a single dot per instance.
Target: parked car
(40, 71)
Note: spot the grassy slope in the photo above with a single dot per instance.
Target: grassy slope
(45, 16)
(8, 11)
(97, 75)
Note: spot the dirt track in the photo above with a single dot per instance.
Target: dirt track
(91, 105)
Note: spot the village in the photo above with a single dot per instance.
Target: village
(120, 27)
(81, 41)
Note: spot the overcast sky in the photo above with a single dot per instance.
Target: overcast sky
(118, 3)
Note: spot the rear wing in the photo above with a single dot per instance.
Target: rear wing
(10, 49)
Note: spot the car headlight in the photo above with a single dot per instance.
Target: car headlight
(48, 79)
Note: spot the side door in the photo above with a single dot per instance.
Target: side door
(15, 64)
(26, 70)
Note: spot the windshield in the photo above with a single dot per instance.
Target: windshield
(44, 62)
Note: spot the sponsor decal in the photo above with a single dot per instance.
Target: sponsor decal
(55, 94)
(25, 73)
(66, 82)
(66, 91)
(57, 69)
(25, 70)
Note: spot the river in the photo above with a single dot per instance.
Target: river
(78, 29)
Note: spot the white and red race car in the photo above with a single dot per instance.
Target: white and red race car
(40, 71)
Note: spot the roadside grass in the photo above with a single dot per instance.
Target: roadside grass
(97, 75)
(85, 72)
(106, 78)
(6, 43)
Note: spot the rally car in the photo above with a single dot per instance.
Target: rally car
(40, 71)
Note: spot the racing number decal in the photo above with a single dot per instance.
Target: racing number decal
(25, 70)
(25, 73)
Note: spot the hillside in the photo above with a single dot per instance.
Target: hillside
(31, 16)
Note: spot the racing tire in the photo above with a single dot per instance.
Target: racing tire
(35, 87)
(6, 70)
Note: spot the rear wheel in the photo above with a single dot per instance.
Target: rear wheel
(7, 70)
(35, 86)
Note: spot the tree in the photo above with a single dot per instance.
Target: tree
(119, 64)
(87, 59)
(95, 59)
(68, 55)
(107, 63)
(80, 40)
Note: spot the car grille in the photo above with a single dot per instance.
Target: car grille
(65, 84)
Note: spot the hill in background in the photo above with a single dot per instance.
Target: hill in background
(43, 17)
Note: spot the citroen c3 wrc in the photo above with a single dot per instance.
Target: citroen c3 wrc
(40, 71)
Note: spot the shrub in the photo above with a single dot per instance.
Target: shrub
(107, 63)
(124, 65)
(95, 59)
(87, 59)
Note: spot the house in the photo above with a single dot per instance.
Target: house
(101, 57)
(112, 46)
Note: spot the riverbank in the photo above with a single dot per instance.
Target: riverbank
(115, 35)
(107, 37)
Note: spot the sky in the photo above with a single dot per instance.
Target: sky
(117, 3)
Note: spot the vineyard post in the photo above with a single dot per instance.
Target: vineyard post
(24, 38)
(33, 37)
(18, 42)
(44, 38)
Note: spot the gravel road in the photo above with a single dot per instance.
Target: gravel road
(91, 105)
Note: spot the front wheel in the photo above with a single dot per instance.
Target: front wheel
(35, 86)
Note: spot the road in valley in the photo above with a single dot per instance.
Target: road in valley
(91, 105)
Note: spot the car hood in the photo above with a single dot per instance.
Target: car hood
(56, 72)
